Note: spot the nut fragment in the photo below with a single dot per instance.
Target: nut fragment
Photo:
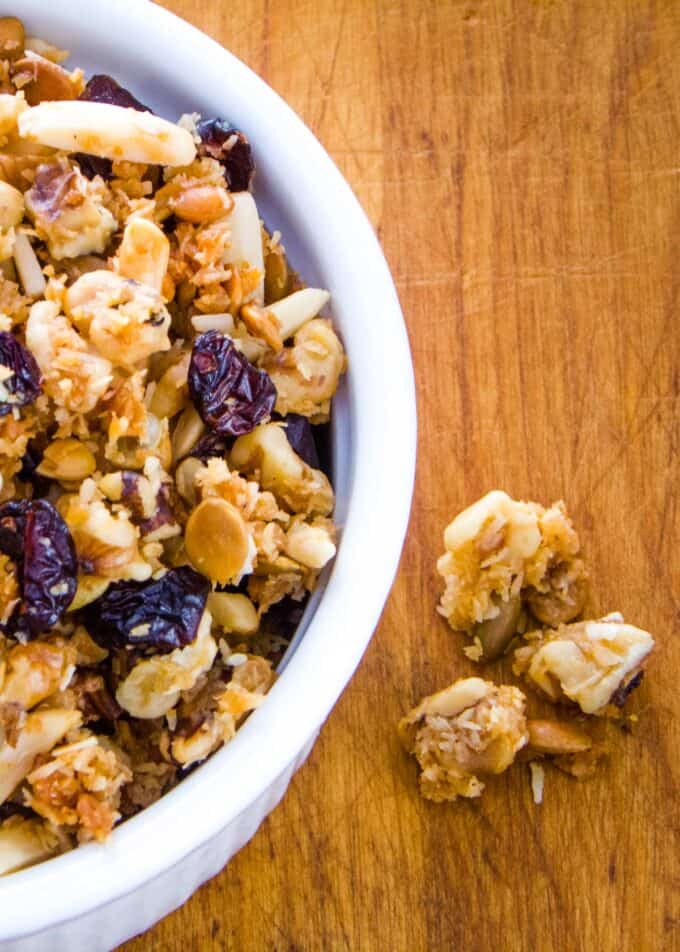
(202, 204)
(143, 253)
(495, 634)
(263, 324)
(11, 206)
(171, 393)
(12, 37)
(557, 737)
(67, 460)
(310, 545)
(233, 612)
(24, 842)
(185, 478)
(245, 247)
(267, 451)
(217, 540)
(298, 308)
(188, 431)
(41, 80)
(108, 131)
(275, 275)
(588, 662)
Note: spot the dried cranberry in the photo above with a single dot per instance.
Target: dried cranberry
(301, 437)
(24, 384)
(232, 150)
(34, 535)
(163, 613)
(285, 615)
(102, 88)
(231, 395)
(212, 445)
(10, 808)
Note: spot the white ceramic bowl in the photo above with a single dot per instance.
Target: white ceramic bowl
(98, 896)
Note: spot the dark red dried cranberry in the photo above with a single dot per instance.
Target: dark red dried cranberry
(301, 437)
(212, 445)
(24, 384)
(11, 808)
(232, 150)
(284, 616)
(33, 534)
(162, 613)
(102, 88)
(231, 395)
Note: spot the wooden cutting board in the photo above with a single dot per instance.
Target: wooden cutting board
(521, 163)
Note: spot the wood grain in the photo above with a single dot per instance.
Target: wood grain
(520, 163)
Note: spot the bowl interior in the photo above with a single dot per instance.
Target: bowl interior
(175, 69)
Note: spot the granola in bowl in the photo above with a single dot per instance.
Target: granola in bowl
(163, 512)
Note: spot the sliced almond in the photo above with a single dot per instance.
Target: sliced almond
(217, 541)
(245, 246)
(108, 131)
(297, 309)
(557, 737)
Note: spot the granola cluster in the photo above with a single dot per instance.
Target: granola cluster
(163, 511)
(509, 565)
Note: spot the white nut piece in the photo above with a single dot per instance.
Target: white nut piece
(153, 686)
(11, 108)
(233, 612)
(25, 842)
(27, 265)
(111, 132)
(11, 206)
(67, 461)
(40, 732)
(245, 247)
(310, 545)
(587, 662)
(143, 254)
(267, 451)
(188, 431)
(298, 308)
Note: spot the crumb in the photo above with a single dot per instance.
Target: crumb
(537, 781)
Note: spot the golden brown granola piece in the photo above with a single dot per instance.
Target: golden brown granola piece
(590, 663)
(78, 785)
(471, 727)
(502, 554)
(67, 210)
(211, 719)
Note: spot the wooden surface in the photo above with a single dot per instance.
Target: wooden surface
(521, 164)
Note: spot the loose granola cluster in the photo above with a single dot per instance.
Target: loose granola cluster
(163, 511)
(509, 565)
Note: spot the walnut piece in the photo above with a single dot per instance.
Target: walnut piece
(471, 727)
(592, 663)
(502, 554)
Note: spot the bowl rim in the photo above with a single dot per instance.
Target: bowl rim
(383, 438)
